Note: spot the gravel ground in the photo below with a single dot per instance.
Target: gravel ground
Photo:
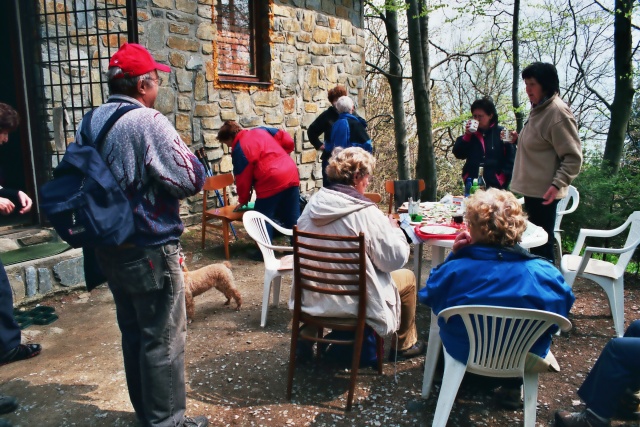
(237, 371)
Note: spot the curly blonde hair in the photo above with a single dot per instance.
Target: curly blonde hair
(345, 165)
(497, 217)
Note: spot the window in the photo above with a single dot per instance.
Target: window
(242, 45)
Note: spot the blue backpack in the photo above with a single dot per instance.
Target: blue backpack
(83, 201)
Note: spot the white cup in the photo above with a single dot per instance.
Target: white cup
(505, 135)
(473, 125)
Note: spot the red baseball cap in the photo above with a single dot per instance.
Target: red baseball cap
(135, 60)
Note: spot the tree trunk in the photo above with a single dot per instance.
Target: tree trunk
(624, 91)
(397, 98)
(515, 41)
(425, 163)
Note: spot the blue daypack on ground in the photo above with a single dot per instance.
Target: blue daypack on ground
(83, 201)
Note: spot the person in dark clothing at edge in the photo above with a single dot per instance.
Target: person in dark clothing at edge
(322, 126)
(484, 147)
(155, 168)
(12, 202)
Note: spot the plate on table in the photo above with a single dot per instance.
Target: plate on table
(439, 230)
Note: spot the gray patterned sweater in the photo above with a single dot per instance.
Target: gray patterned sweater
(153, 166)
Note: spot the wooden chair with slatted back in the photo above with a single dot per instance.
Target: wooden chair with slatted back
(389, 187)
(374, 197)
(224, 214)
(333, 266)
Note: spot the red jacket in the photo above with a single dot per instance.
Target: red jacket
(261, 159)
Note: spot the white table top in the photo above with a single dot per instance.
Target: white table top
(532, 237)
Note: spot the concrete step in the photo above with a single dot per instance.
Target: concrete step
(32, 280)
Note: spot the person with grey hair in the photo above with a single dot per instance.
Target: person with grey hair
(155, 169)
(342, 209)
(349, 130)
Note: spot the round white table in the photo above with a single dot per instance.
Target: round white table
(532, 237)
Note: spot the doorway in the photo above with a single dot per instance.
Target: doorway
(14, 154)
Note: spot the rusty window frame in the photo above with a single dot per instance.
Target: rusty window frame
(260, 52)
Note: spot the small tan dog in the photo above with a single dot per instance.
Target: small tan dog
(197, 282)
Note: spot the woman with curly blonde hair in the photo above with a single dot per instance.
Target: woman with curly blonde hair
(488, 267)
(496, 218)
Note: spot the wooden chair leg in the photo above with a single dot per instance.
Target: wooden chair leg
(295, 331)
(355, 366)
(204, 228)
(225, 234)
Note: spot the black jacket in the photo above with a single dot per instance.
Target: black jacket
(496, 155)
(322, 125)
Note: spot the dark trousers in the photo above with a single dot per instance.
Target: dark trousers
(617, 369)
(9, 329)
(148, 289)
(325, 178)
(543, 216)
(283, 207)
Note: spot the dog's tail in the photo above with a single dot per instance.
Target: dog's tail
(226, 264)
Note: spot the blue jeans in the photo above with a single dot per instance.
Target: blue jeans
(616, 369)
(283, 207)
(9, 329)
(543, 216)
(148, 289)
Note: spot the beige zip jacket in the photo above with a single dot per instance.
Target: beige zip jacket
(549, 150)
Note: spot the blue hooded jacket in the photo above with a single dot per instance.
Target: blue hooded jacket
(493, 275)
(349, 131)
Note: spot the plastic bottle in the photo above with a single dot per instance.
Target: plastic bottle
(474, 186)
(481, 183)
(467, 187)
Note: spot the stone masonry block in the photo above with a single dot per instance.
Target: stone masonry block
(228, 115)
(320, 35)
(177, 60)
(180, 43)
(17, 283)
(45, 282)
(183, 122)
(206, 110)
(70, 272)
(206, 31)
(187, 6)
(184, 79)
(308, 156)
(266, 99)
(165, 4)
(179, 29)
(31, 277)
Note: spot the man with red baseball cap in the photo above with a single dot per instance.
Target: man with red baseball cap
(155, 170)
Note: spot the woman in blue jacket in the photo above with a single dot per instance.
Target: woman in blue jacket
(487, 267)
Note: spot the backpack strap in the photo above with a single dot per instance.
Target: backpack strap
(85, 130)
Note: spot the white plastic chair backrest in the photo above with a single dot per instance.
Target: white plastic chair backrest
(256, 225)
(500, 337)
(632, 242)
(561, 209)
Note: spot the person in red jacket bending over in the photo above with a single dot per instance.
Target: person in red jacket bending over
(261, 160)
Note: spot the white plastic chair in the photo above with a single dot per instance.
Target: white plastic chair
(606, 274)
(561, 210)
(499, 339)
(256, 225)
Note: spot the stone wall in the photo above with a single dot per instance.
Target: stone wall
(314, 45)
